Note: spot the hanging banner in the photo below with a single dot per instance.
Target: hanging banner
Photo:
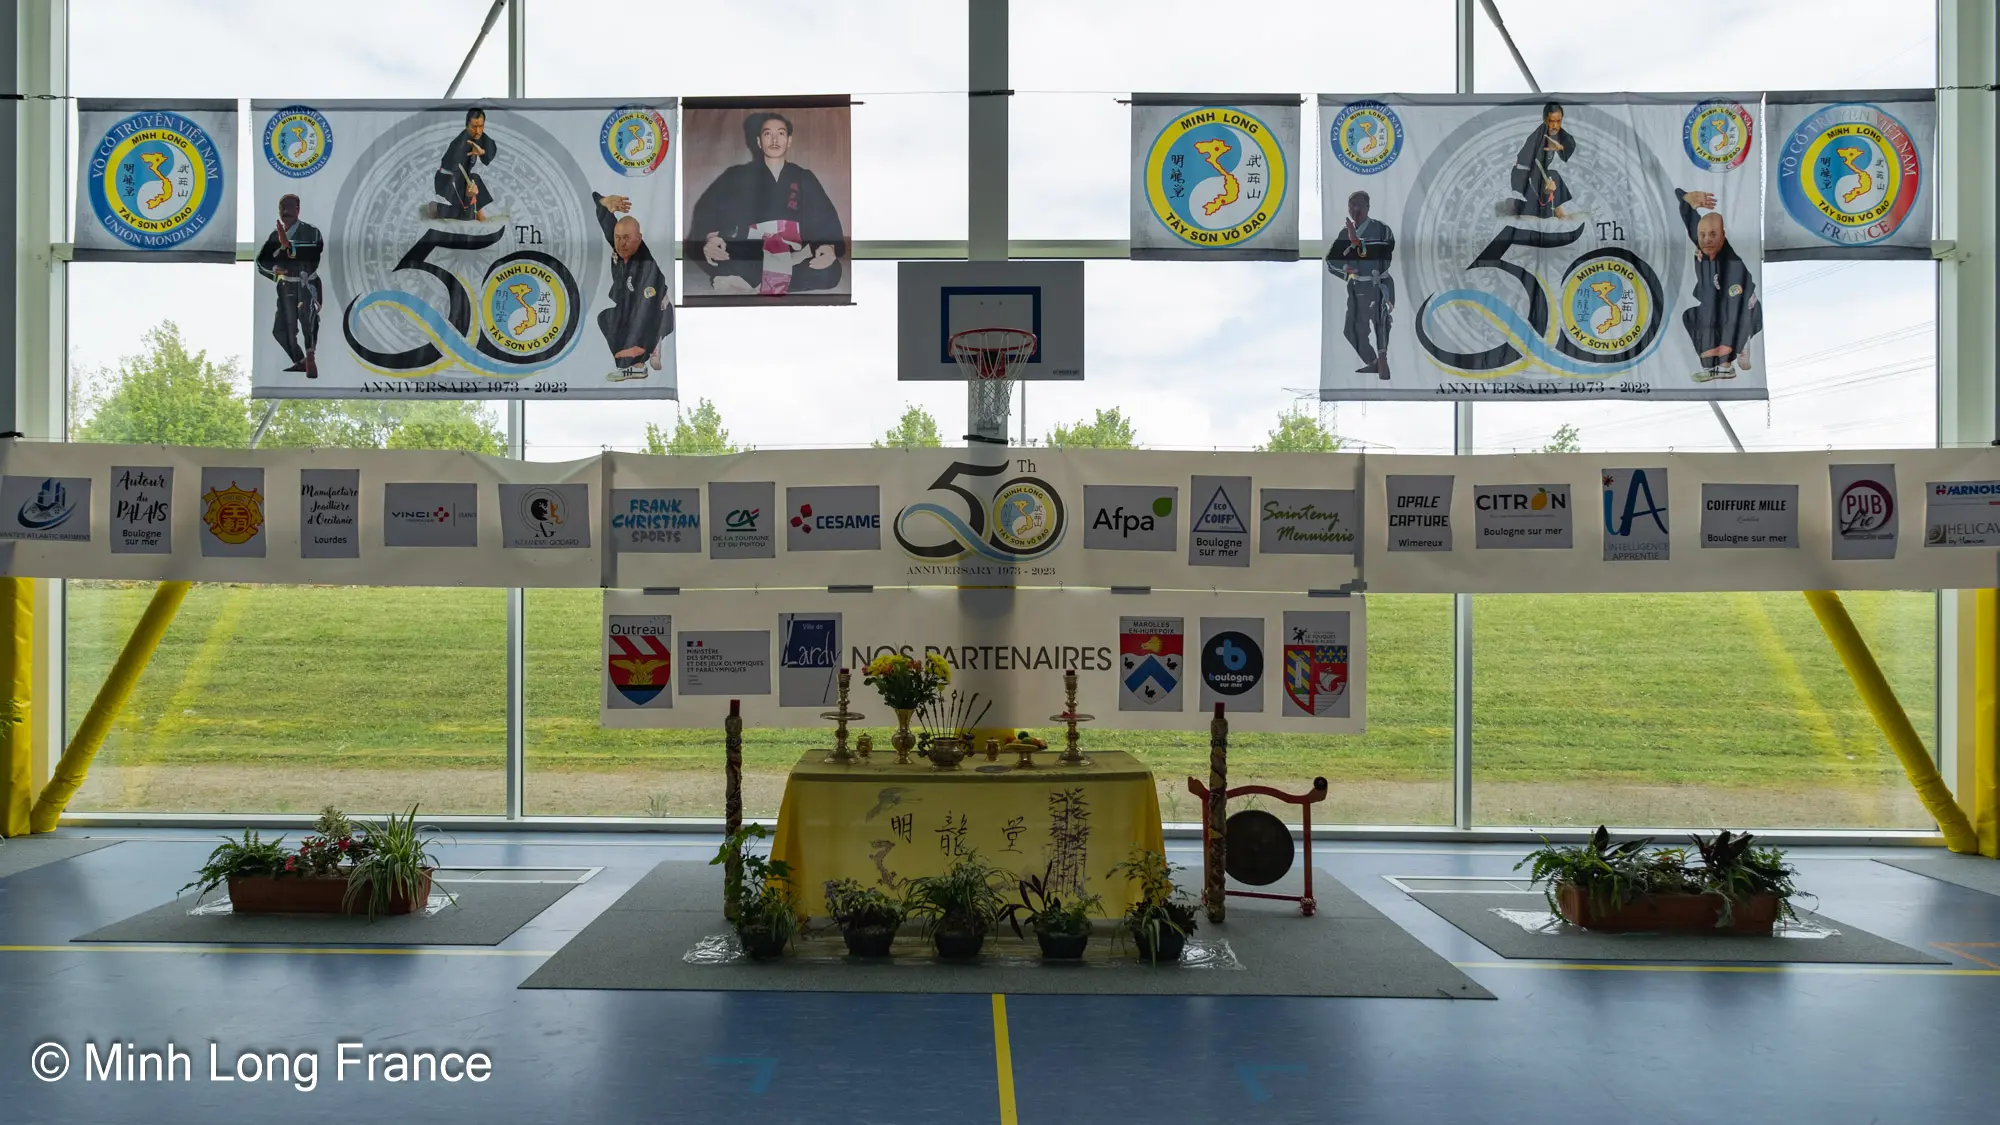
(1276, 662)
(769, 202)
(1850, 175)
(155, 182)
(1598, 246)
(1215, 176)
(507, 249)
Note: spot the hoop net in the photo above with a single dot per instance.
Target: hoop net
(992, 359)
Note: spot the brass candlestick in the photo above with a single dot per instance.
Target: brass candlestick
(841, 755)
(992, 749)
(1071, 756)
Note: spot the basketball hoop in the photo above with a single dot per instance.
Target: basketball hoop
(992, 359)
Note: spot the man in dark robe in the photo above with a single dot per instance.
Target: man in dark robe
(766, 226)
(290, 257)
(642, 311)
(1542, 187)
(1361, 253)
(464, 193)
(1726, 311)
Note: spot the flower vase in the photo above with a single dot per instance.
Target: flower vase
(903, 740)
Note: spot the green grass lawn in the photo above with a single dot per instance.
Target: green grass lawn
(1723, 690)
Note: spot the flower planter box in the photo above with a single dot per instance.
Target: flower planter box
(1668, 913)
(292, 894)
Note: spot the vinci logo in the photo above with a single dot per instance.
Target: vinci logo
(440, 514)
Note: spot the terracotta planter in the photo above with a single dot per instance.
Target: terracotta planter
(269, 894)
(1062, 947)
(869, 941)
(958, 947)
(1668, 913)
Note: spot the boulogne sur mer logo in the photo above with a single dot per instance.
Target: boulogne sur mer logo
(1215, 176)
(1366, 137)
(1717, 134)
(233, 515)
(1025, 519)
(1232, 663)
(634, 140)
(297, 141)
(1850, 174)
(156, 180)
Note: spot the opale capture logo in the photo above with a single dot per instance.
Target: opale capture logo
(1717, 134)
(156, 180)
(634, 140)
(297, 141)
(1215, 176)
(1366, 137)
(1850, 174)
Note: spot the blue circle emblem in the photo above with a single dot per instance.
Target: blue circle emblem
(156, 180)
(1366, 137)
(297, 141)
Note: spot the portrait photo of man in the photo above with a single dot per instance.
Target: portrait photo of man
(1727, 312)
(290, 258)
(767, 226)
(1360, 254)
(642, 310)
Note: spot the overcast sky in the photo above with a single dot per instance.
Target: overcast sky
(1201, 355)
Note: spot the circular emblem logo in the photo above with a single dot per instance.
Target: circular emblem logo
(1216, 176)
(525, 306)
(633, 140)
(1366, 137)
(1025, 516)
(297, 141)
(1716, 134)
(1850, 174)
(544, 511)
(1865, 506)
(1232, 663)
(233, 515)
(1610, 306)
(156, 180)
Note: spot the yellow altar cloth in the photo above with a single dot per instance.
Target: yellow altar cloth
(881, 823)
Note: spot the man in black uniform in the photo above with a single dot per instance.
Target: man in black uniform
(1361, 252)
(642, 313)
(766, 226)
(1543, 189)
(464, 193)
(290, 257)
(1726, 312)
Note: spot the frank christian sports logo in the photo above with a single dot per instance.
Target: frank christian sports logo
(1366, 137)
(155, 180)
(297, 141)
(634, 140)
(1025, 520)
(1717, 134)
(1215, 176)
(1850, 174)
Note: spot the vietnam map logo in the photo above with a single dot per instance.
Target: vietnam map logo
(1215, 176)
(297, 141)
(156, 180)
(1850, 174)
(634, 140)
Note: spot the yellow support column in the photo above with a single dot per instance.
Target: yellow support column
(17, 749)
(75, 765)
(1984, 800)
(1895, 724)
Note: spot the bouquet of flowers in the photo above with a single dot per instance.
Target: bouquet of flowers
(907, 683)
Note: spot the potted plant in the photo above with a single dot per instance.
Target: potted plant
(905, 684)
(389, 868)
(342, 868)
(767, 909)
(1062, 926)
(1162, 916)
(237, 862)
(1632, 885)
(959, 906)
(868, 918)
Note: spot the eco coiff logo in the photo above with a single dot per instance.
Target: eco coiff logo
(1216, 176)
(1850, 174)
(1962, 513)
(156, 180)
(47, 508)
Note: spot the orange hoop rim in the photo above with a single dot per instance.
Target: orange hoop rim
(990, 359)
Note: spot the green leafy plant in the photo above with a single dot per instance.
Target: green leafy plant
(396, 865)
(855, 907)
(251, 855)
(1161, 906)
(766, 903)
(1612, 875)
(1047, 912)
(1736, 870)
(966, 899)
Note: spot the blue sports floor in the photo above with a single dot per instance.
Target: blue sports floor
(1564, 1042)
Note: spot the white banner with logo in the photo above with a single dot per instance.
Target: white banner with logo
(337, 517)
(1621, 523)
(1554, 247)
(1215, 176)
(1850, 175)
(1043, 517)
(504, 249)
(1276, 662)
(155, 180)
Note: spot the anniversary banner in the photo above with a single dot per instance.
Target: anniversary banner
(155, 181)
(1215, 176)
(1499, 248)
(1850, 175)
(769, 202)
(506, 249)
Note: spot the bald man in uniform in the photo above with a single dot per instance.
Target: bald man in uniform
(642, 311)
(1726, 312)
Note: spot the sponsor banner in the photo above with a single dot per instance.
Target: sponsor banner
(233, 503)
(545, 516)
(1309, 521)
(1864, 511)
(47, 508)
(838, 517)
(1419, 509)
(430, 514)
(664, 521)
(1522, 517)
(1132, 653)
(329, 513)
(1635, 515)
(769, 202)
(1962, 513)
(744, 515)
(1750, 515)
(1215, 176)
(638, 662)
(142, 510)
(155, 181)
(1217, 532)
(1542, 246)
(1131, 517)
(498, 249)
(1850, 175)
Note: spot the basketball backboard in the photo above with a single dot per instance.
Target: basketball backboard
(937, 300)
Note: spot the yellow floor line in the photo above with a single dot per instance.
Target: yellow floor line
(370, 951)
(1837, 970)
(1003, 1061)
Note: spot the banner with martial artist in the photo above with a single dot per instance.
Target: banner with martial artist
(1214, 176)
(770, 198)
(1506, 247)
(503, 249)
(1850, 175)
(155, 181)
